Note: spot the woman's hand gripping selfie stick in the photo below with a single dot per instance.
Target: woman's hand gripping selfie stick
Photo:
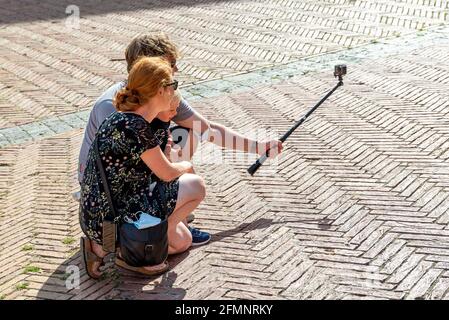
(340, 71)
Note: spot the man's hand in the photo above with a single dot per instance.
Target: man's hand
(275, 147)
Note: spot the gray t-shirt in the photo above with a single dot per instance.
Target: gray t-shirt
(103, 107)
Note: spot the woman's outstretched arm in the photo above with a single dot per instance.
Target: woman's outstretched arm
(156, 160)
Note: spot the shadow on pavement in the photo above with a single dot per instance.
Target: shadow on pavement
(121, 284)
(12, 11)
(70, 281)
(263, 223)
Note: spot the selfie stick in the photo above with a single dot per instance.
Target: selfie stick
(340, 71)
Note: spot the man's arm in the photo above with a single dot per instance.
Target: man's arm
(225, 137)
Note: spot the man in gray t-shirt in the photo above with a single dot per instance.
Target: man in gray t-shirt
(199, 127)
(102, 109)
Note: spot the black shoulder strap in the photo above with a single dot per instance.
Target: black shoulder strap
(104, 179)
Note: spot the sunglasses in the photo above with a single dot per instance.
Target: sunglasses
(174, 84)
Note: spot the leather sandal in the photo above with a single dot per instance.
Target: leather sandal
(159, 269)
(89, 258)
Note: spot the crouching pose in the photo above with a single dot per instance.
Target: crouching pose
(133, 160)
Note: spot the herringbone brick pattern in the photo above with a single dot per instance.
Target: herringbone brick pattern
(49, 67)
(356, 207)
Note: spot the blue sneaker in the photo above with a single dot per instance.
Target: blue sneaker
(199, 237)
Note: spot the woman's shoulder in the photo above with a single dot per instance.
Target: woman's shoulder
(123, 120)
(122, 117)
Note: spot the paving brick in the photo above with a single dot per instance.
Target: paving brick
(422, 287)
(356, 206)
(440, 288)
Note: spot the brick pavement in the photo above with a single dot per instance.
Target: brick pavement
(243, 82)
(41, 73)
(357, 206)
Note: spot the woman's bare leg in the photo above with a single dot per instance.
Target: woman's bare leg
(190, 194)
(179, 239)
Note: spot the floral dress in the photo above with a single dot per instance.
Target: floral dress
(122, 138)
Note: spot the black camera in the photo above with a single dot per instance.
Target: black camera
(340, 70)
